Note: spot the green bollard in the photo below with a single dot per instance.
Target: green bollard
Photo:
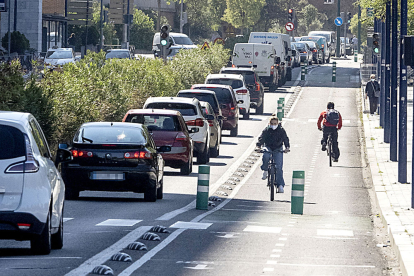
(302, 73)
(306, 68)
(280, 111)
(202, 187)
(355, 56)
(334, 71)
(298, 192)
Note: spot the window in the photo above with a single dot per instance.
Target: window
(328, 1)
(111, 134)
(39, 138)
(155, 122)
(185, 109)
(12, 143)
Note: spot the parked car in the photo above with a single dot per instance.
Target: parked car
(116, 156)
(317, 54)
(119, 53)
(347, 47)
(207, 96)
(253, 83)
(304, 51)
(239, 86)
(32, 192)
(59, 57)
(167, 128)
(194, 117)
(228, 104)
(177, 41)
(215, 129)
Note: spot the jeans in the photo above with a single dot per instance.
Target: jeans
(334, 131)
(278, 159)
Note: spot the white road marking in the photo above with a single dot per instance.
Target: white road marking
(329, 265)
(104, 255)
(198, 267)
(334, 232)
(312, 120)
(268, 269)
(190, 225)
(175, 213)
(39, 258)
(277, 251)
(227, 236)
(282, 239)
(119, 222)
(280, 244)
(274, 256)
(269, 262)
(67, 219)
(262, 229)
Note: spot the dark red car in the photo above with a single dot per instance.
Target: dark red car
(167, 128)
(228, 104)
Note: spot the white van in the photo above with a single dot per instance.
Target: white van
(330, 39)
(281, 42)
(262, 57)
(178, 40)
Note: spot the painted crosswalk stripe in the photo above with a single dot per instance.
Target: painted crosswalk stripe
(119, 222)
(262, 229)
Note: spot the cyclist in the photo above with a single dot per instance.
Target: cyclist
(331, 120)
(273, 137)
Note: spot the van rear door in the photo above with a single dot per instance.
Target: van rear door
(264, 59)
(243, 55)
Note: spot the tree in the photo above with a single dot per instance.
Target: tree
(243, 13)
(19, 42)
(142, 30)
(310, 19)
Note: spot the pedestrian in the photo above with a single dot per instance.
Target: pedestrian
(330, 121)
(372, 91)
(355, 43)
(273, 138)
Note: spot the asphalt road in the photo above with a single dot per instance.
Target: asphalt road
(245, 234)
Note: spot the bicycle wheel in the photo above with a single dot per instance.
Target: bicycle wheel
(271, 181)
(330, 151)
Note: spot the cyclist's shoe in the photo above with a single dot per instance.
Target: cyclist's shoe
(335, 160)
(324, 147)
(264, 177)
(280, 189)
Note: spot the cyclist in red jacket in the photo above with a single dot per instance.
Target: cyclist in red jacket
(331, 121)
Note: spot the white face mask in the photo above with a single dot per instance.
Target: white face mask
(372, 79)
(274, 126)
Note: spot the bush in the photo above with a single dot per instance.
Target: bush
(19, 42)
(142, 30)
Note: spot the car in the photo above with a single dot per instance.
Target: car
(114, 156)
(58, 57)
(167, 128)
(215, 129)
(194, 118)
(317, 55)
(295, 55)
(330, 40)
(177, 41)
(207, 96)
(239, 86)
(304, 51)
(228, 104)
(321, 42)
(346, 48)
(253, 83)
(119, 53)
(32, 191)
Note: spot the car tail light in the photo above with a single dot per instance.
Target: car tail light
(31, 165)
(257, 87)
(314, 51)
(81, 153)
(242, 91)
(180, 137)
(197, 122)
(304, 52)
(250, 62)
(234, 66)
(137, 155)
(210, 123)
(272, 67)
(24, 226)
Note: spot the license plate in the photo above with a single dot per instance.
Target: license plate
(107, 176)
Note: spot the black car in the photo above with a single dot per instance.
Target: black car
(253, 83)
(114, 157)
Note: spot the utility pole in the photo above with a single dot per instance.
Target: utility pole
(181, 18)
(387, 72)
(9, 23)
(159, 15)
(383, 55)
(359, 29)
(394, 93)
(101, 26)
(338, 33)
(15, 16)
(402, 141)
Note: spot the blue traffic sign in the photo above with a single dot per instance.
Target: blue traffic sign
(338, 21)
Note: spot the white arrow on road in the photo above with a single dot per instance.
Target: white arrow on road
(199, 267)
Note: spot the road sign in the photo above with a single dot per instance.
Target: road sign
(338, 21)
(289, 26)
(2, 5)
(205, 46)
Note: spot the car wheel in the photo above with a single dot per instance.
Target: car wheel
(71, 193)
(202, 157)
(42, 244)
(328, 60)
(289, 75)
(150, 194)
(160, 192)
(57, 238)
(214, 152)
(234, 131)
(246, 116)
(259, 109)
(187, 167)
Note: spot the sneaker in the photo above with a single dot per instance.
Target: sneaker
(264, 177)
(335, 160)
(324, 147)
(280, 189)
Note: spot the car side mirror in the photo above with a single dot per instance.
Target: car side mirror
(240, 101)
(194, 130)
(219, 117)
(164, 149)
(293, 52)
(63, 156)
(209, 117)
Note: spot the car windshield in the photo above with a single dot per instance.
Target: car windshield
(232, 82)
(183, 40)
(185, 109)
(110, 134)
(327, 36)
(311, 44)
(223, 95)
(248, 75)
(59, 54)
(300, 46)
(201, 97)
(12, 143)
(308, 38)
(155, 122)
(117, 54)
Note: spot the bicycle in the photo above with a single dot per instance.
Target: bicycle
(271, 174)
(329, 149)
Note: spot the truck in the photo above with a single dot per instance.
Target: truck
(330, 40)
(262, 57)
(281, 43)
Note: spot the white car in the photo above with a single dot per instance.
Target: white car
(32, 191)
(239, 87)
(59, 57)
(194, 117)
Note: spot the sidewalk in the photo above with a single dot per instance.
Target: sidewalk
(393, 198)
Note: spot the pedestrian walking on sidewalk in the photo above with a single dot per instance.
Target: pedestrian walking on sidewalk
(372, 91)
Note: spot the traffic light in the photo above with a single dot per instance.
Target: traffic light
(376, 43)
(349, 17)
(291, 15)
(164, 35)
